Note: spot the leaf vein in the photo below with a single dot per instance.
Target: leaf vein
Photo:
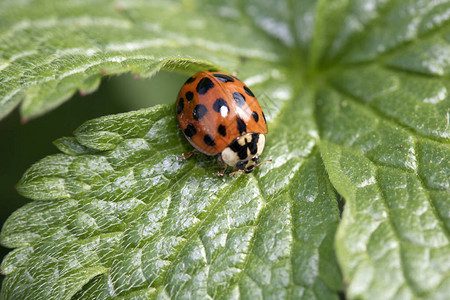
(379, 113)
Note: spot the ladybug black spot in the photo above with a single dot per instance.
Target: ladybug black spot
(224, 78)
(190, 131)
(190, 80)
(253, 145)
(221, 107)
(248, 91)
(199, 111)
(180, 105)
(204, 85)
(239, 98)
(209, 140)
(189, 96)
(222, 130)
(241, 151)
(255, 116)
(241, 126)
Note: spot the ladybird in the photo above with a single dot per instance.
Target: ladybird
(219, 115)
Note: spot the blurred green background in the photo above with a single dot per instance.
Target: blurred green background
(24, 144)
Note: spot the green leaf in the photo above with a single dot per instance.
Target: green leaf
(58, 48)
(172, 226)
(356, 97)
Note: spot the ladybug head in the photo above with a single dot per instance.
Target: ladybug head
(243, 153)
(247, 165)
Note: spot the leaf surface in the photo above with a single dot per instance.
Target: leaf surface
(356, 97)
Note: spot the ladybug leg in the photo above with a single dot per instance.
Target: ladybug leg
(221, 172)
(187, 155)
(222, 164)
(236, 171)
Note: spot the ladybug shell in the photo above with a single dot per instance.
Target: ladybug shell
(214, 108)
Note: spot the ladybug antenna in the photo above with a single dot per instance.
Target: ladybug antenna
(264, 161)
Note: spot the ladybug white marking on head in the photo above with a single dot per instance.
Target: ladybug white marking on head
(243, 153)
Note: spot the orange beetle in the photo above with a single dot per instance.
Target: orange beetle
(219, 114)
